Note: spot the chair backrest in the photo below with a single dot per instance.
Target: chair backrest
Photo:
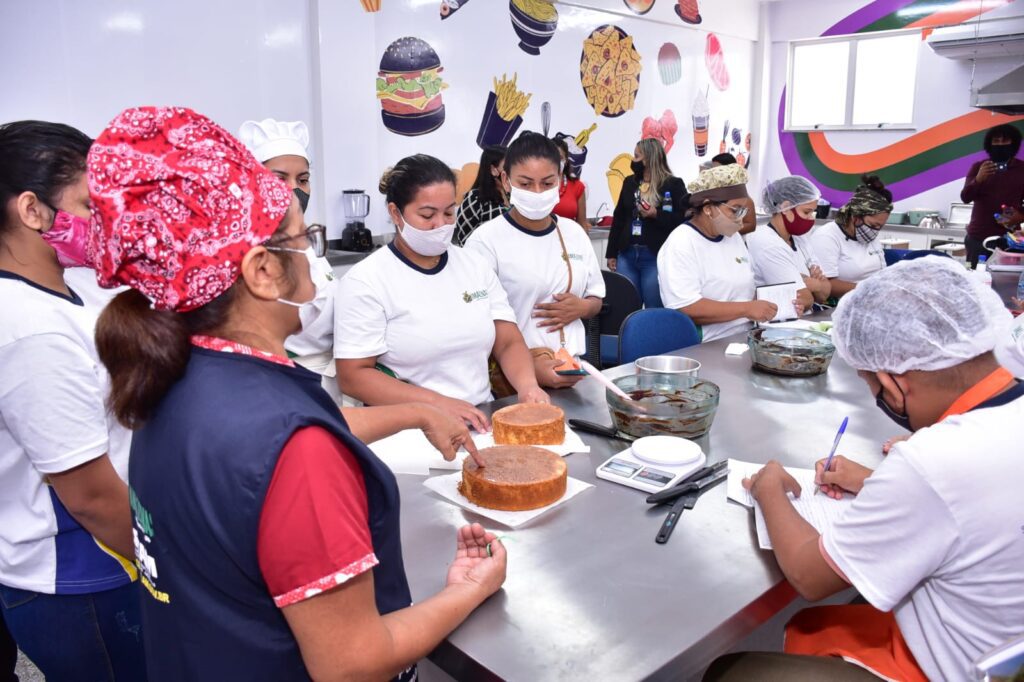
(620, 299)
(655, 331)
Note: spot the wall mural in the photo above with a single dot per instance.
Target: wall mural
(688, 11)
(409, 87)
(918, 163)
(670, 64)
(450, 7)
(610, 71)
(639, 6)
(714, 58)
(503, 113)
(534, 21)
(661, 129)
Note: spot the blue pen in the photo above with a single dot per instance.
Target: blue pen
(835, 444)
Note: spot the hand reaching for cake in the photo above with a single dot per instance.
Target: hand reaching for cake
(447, 433)
(534, 394)
(474, 564)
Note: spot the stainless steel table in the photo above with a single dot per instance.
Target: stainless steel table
(589, 594)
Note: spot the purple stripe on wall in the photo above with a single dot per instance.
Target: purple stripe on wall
(866, 15)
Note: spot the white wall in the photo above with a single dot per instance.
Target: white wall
(83, 62)
(943, 89)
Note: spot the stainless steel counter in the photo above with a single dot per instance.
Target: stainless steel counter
(589, 594)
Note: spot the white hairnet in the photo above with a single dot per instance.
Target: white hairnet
(788, 192)
(925, 314)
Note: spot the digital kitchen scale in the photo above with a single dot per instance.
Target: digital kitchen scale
(653, 463)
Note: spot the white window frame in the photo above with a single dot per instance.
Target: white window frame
(851, 83)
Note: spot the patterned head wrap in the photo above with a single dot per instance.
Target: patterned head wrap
(721, 183)
(177, 203)
(865, 201)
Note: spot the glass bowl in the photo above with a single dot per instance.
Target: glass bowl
(790, 352)
(664, 405)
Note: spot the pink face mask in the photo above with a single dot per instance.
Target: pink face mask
(69, 237)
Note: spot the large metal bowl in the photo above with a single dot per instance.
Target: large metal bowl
(790, 352)
(664, 405)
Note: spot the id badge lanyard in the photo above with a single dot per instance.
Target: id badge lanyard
(638, 226)
(562, 352)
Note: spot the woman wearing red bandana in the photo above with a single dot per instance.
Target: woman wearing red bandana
(266, 532)
(65, 529)
(779, 250)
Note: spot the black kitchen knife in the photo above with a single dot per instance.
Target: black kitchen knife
(599, 430)
(687, 501)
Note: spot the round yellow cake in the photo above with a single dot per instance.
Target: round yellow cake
(529, 424)
(514, 478)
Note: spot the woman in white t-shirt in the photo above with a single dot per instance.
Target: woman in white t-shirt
(283, 147)
(545, 263)
(779, 250)
(66, 591)
(847, 249)
(704, 268)
(417, 321)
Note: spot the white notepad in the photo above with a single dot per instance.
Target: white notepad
(821, 511)
(782, 295)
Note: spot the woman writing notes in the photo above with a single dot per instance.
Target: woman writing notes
(545, 263)
(847, 249)
(704, 268)
(652, 202)
(267, 534)
(429, 315)
(779, 252)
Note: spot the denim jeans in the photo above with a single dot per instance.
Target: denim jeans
(81, 637)
(640, 266)
(8, 654)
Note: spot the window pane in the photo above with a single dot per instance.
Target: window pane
(884, 85)
(819, 84)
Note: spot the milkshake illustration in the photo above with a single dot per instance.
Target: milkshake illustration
(701, 114)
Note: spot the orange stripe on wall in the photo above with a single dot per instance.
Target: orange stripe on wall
(906, 148)
(958, 13)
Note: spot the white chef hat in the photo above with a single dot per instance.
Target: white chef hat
(926, 314)
(268, 138)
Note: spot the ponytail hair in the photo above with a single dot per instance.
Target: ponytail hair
(875, 184)
(146, 351)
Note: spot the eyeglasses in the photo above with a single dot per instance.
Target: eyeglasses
(738, 212)
(316, 235)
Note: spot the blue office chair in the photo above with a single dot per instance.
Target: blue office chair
(621, 298)
(895, 255)
(655, 331)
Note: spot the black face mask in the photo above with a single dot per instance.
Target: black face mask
(901, 419)
(1001, 153)
(637, 167)
(303, 198)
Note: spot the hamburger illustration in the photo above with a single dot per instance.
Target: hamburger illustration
(409, 87)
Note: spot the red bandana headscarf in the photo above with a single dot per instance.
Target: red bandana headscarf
(177, 202)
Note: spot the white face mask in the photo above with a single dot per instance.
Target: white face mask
(534, 205)
(427, 243)
(315, 274)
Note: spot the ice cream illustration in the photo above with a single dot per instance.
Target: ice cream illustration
(701, 113)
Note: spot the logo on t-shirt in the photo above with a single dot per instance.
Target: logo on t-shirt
(742, 259)
(142, 536)
(575, 256)
(469, 297)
